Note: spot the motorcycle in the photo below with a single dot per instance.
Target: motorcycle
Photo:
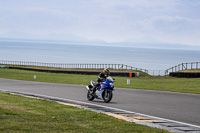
(103, 92)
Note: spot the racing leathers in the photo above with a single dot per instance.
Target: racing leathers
(101, 78)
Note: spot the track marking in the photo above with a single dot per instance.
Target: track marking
(85, 103)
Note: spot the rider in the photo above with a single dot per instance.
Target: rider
(101, 78)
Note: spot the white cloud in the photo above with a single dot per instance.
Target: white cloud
(113, 20)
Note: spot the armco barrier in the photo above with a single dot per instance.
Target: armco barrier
(185, 74)
(125, 74)
(73, 65)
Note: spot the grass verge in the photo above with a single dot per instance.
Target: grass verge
(191, 70)
(20, 114)
(162, 83)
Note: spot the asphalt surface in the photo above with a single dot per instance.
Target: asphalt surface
(174, 106)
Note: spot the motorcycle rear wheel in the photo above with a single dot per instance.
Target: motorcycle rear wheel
(107, 97)
(90, 97)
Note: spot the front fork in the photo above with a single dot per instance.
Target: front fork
(106, 92)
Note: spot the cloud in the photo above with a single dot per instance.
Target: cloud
(172, 22)
(113, 20)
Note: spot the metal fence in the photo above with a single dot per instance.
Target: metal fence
(183, 66)
(74, 65)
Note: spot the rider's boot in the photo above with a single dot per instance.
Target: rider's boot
(93, 89)
(87, 87)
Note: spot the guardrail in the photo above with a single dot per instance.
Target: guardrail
(179, 67)
(74, 65)
(183, 66)
(124, 74)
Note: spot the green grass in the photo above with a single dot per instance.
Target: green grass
(20, 114)
(183, 85)
(191, 70)
(162, 83)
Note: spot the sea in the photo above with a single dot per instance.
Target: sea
(152, 59)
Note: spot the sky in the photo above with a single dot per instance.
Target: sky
(159, 21)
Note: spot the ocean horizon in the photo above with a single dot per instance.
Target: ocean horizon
(144, 58)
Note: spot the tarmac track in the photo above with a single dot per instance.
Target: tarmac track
(174, 106)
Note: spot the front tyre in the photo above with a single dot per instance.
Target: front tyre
(107, 96)
(90, 97)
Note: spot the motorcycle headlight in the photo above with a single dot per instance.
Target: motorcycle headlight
(111, 84)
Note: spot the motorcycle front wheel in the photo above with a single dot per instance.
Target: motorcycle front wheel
(90, 97)
(107, 96)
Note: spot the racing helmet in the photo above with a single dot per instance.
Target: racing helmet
(106, 71)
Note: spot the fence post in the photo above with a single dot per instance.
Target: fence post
(183, 67)
(166, 71)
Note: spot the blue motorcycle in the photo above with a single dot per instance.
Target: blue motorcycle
(103, 92)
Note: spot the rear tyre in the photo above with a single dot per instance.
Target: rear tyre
(107, 97)
(90, 97)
